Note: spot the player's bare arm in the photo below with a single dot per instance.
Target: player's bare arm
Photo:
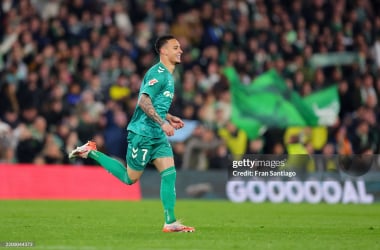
(146, 105)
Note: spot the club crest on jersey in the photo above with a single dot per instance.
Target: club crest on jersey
(152, 82)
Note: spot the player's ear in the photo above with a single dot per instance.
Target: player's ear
(164, 51)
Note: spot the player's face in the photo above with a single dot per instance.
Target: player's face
(173, 50)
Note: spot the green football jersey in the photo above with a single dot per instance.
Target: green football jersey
(158, 84)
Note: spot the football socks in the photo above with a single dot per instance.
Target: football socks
(115, 167)
(168, 194)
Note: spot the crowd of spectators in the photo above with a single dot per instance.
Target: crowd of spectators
(70, 71)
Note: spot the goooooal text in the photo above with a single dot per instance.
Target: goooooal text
(309, 191)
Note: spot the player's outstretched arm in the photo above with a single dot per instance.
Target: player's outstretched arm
(145, 103)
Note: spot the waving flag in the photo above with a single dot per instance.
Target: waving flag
(268, 102)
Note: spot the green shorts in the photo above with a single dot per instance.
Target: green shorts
(142, 150)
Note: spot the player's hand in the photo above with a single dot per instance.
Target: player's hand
(168, 129)
(176, 122)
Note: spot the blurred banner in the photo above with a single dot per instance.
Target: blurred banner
(268, 102)
(337, 58)
(20, 181)
(185, 132)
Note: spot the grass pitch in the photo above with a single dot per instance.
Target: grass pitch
(102, 225)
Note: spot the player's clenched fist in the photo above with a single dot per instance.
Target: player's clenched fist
(176, 122)
(168, 129)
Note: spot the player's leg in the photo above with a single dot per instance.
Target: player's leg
(115, 167)
(165, 167)
(164, 162)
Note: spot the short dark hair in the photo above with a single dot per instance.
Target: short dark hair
(161, 41)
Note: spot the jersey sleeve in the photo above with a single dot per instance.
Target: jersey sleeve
(152, 85)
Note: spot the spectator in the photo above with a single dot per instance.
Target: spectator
(115, 133)
(342, 142)
(361, 139)
(220, 159)
(6, 145)
(367, 91)
(63, 60)
(199, 147)
(235, 139)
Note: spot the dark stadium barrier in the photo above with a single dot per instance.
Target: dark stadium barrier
(210, 184)
(22, 181)
(214, 184)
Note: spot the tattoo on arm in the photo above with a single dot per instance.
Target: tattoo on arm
(146, 105)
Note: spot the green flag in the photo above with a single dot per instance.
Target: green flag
(325, 105)
(267, 102)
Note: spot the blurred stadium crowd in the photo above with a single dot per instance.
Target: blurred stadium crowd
(70, 71)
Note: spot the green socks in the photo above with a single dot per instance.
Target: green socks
(167, 193)
(168, 178)
(113, 166)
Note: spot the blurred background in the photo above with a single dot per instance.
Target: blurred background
(257, 77)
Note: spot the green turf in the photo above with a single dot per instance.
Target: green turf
(220, 225)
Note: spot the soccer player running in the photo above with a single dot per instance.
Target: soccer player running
(148, 128)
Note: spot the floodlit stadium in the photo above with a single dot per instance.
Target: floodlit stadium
(189, 124)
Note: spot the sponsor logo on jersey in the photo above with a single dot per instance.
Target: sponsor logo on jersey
(168, 94)
(152, 82)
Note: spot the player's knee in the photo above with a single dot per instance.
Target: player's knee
(169, 172)
(132, 176)
(130, 180)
